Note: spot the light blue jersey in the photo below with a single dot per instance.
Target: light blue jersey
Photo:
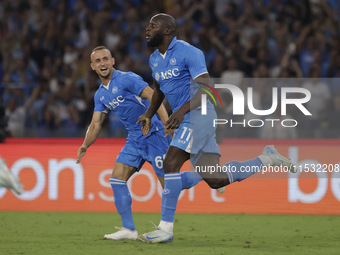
(122, 97)
(174, 72)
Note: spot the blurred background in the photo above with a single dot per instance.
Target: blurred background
(47, 87)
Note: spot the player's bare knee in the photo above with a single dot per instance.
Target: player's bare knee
(122, 171)
(118, 175)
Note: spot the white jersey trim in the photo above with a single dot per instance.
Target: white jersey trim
(163, 55)
(139, 99)
(108, 85)
(198, 75)
(189, 147)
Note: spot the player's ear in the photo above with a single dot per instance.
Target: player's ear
(167, 31)
(92, 67)
(113, 61)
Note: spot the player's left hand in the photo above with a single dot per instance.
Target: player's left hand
(175, 120)
(81, 153)
(146, 126)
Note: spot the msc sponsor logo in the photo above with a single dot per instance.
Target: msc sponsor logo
(115, 102)
(167, 74)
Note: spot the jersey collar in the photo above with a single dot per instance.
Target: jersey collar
(114, 74)
(173, 42)
(171, 45)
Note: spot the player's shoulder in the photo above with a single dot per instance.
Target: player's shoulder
(185, 46)
(127, 74)
(98, 93)
(153, 55)
(123, 76)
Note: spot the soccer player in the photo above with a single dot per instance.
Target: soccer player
(127, 95)
(8, 180)
(174, 64)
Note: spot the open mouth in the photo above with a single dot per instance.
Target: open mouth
(103, 69)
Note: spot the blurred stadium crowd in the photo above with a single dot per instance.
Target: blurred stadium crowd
(47, 86)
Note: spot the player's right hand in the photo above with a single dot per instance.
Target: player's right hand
(146, 126)
(81, 153)
(175, 120)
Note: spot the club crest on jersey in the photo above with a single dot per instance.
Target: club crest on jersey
(114, 90)
(173, 61)
(155, 64)
(102, 98)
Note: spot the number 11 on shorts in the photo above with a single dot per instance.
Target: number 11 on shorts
(185, 129)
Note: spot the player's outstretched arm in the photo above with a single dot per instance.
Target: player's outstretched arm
(91, 134)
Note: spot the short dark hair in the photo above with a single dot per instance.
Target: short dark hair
(99, 48)
(168, 22)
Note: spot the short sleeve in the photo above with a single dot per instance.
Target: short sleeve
(195, 62)
(99, 106)
(134, 83)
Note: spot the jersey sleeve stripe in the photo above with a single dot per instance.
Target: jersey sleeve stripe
(199, 75)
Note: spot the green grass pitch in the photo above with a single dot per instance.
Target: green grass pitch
(82, 233)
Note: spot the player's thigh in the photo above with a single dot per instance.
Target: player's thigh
(174, 159)
(122, 171)
(206, 162)
(179, 150)
(154, 150)
(182, 138)
(128, 161)
(161, 180)
(203, 133)
(210, 170)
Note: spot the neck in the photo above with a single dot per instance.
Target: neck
(106, 81)
(165, 45)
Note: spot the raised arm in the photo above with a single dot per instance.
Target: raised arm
(91, 134)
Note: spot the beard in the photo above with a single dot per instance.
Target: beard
(155, 41)
(104, 77)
